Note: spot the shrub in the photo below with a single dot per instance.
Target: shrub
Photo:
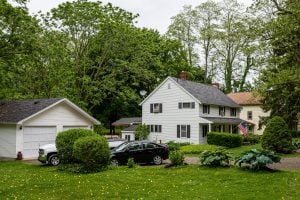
(276, 136)
(296, 144)
(177, 158)
(92, 151)
(65, 141)
(294, 133)
(130, 163)
(224, 139)
(217, 158)
(196, 149)
(142, 132)
(100, 129)
(252, 139)
(175, 146)
(257, 160)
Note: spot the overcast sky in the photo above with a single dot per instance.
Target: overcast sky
(154, 14)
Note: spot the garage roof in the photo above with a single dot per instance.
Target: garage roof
(16, 111)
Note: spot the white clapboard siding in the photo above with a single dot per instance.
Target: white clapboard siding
(169, 94)
(8, 141)
(61, 114)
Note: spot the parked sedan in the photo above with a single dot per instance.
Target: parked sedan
(140, 151)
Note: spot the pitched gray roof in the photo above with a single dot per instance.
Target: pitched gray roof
(131, 128)
(13, 111)
(206, 94)
(127, 121)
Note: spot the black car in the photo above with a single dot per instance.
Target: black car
(140, 151)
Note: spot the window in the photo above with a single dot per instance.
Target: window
(186, 105)
(206, 109)
(232, 111)
(156, 108)
(249, 115)
(183, 131)
(134, 146)
(222, 110)
(149, 145)
(169, 85)
(155, 128)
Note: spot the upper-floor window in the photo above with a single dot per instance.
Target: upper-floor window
(222, 110)
(232, 111)
(249, 115)
(186, 105)
(156, 108)
(183, 131)
(206, 109)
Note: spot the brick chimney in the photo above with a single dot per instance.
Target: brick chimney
(183, 75)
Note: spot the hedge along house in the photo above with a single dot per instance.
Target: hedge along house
(27, 124)
(184, 111)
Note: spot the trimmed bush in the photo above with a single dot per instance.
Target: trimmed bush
(296, 144)
(256, 160)
(215, 158)
(65, 141)
(252, 139)
(93, 152)
(175, 146)
(294, 133)
(177, 158)
(196, 149)
(130, 163)
(276, 136)
(224, 139)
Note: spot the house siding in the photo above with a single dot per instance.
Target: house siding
(59, 115)
(8, 141)
(171, 115)
(256, 113)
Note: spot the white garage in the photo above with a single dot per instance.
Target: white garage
(27, 124)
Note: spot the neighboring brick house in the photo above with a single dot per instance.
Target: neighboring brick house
(251, 110)
(184, 111)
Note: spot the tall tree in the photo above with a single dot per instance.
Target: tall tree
(279, 83)
(182, 28)
(206, 17)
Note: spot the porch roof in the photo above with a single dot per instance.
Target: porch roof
(223, 120)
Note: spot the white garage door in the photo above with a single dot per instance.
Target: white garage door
(34, 137)
(72, 127)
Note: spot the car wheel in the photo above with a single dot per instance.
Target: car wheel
(114, 162)
(157, 160)
(53, 160)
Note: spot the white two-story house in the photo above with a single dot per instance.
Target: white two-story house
(185, 111)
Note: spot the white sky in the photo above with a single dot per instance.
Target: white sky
(154, 14)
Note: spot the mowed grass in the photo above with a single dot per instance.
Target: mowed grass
(27, 181)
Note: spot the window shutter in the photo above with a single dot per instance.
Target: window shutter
(178, 131)
(193, 104)
(179, 105)
(208, 109)
(151, 108)
(203, 110)
(188, 131)
(160, 108)
(159, 128)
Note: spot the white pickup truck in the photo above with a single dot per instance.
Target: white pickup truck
(48, 152)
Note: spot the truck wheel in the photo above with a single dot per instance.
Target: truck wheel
(53, 160)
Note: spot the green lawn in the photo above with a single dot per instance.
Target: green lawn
(26, 181)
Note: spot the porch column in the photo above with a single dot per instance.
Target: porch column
(209, 127)
(230, 128)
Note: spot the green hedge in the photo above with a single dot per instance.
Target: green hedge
(92, 151)
(224, 139)
(294, 133)
(199, 148)
(65, 141)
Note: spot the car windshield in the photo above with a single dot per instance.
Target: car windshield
(121, 146)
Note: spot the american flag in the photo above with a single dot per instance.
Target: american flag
(243, 128)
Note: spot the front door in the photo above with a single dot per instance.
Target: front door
(204, 133)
